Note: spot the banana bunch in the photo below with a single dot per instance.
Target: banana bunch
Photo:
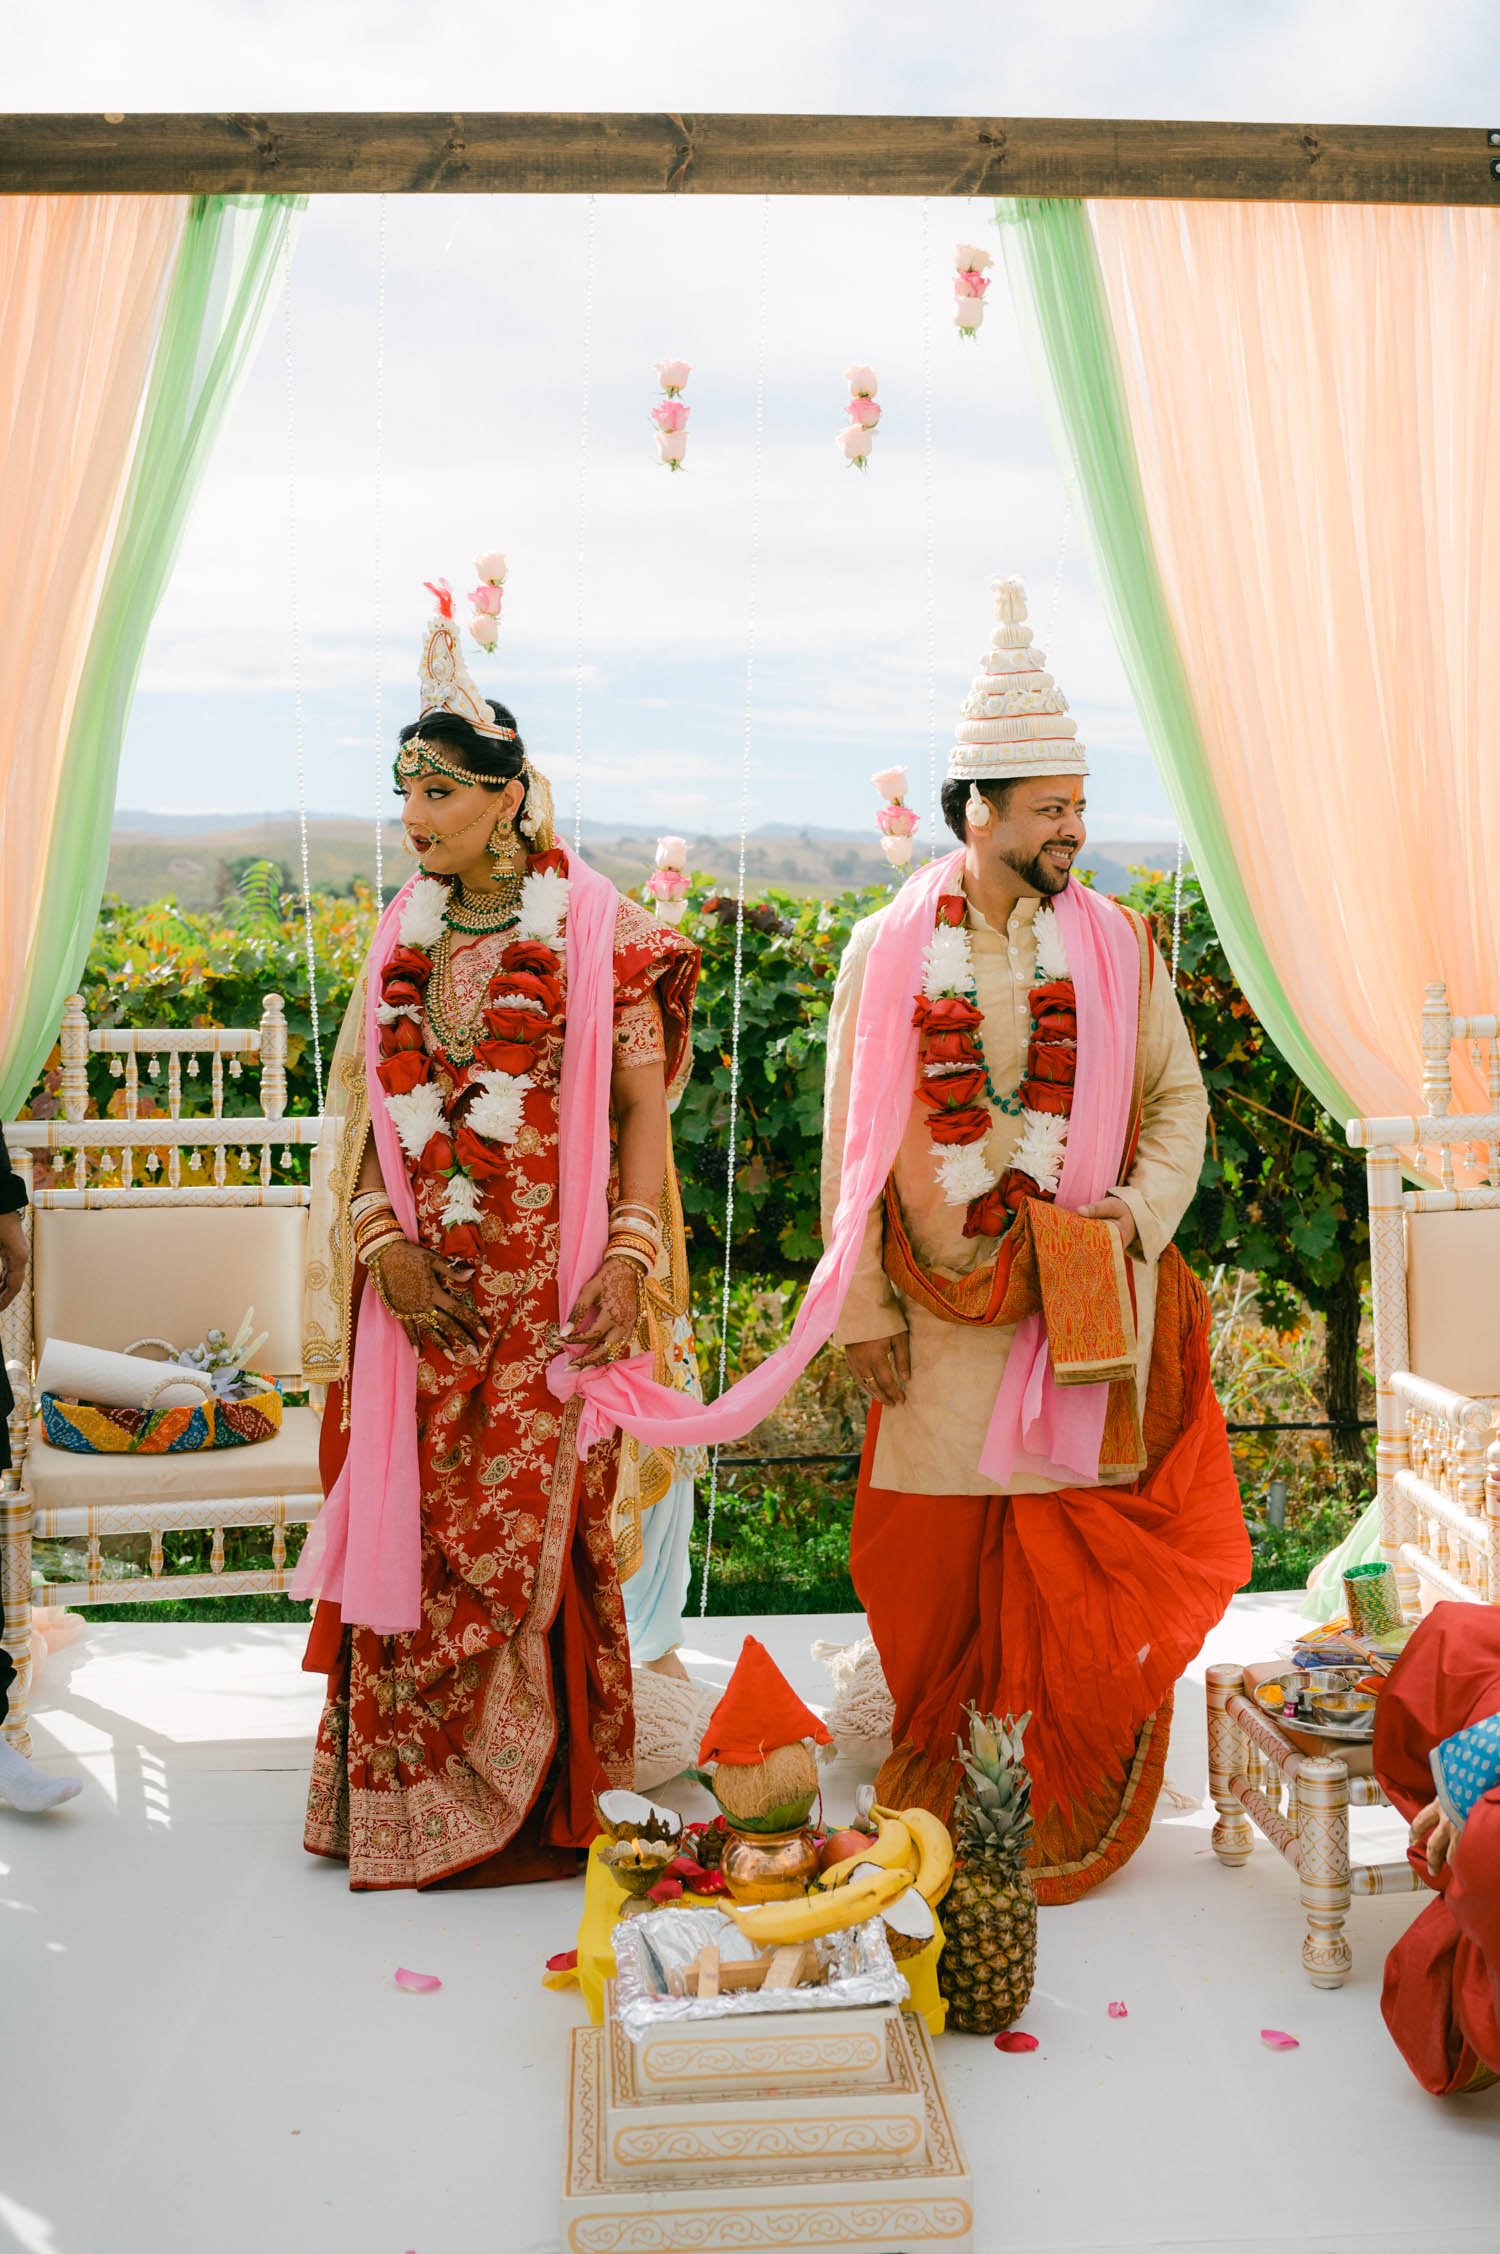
(776, 1925)
(914, 1841)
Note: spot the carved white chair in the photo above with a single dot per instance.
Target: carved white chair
(137, 1230)
(1435, 1289)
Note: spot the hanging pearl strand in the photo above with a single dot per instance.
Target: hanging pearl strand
(295, 606)
(752, 603)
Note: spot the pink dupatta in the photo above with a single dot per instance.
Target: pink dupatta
(364, 1551)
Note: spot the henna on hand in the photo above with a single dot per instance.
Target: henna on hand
(412, 1281)
(605, 1314)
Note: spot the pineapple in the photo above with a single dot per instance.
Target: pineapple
(989, 1914)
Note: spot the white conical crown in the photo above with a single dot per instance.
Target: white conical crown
(1015, 719)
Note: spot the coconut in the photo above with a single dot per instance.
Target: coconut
(910, 1926)
(626, 1815)
(772, 1794)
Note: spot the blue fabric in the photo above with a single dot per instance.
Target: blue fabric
(1466, 1767)
(656, 1591)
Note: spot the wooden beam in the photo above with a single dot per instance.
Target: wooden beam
(351, 153)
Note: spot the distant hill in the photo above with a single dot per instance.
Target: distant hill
(192, 858)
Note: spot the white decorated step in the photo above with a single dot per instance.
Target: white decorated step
(856, 2206)
(760, 2124)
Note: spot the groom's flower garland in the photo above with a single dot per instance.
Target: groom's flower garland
(954, 1076)
(452, 1134)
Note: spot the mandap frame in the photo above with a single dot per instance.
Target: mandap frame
(667, 153)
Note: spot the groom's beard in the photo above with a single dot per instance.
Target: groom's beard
(1042, 875)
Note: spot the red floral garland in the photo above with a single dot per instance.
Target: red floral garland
(953, 1078)
(530, 973)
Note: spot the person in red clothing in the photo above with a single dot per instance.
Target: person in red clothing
(1019, 1269)
(465, 1744)
(1437, 1756)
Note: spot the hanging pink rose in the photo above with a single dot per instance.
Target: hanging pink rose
(897, 850)
(666, 884)
(891, 782)
(493, 566)
(862, 380)
(485, 628)
(897, 821)
(672, 374)
(487, 597)
(969, 314)
(671, 445)
(863, 411)
(671, 852)
(856, 442)
(969, 255)
(967, 283)
(671, 414)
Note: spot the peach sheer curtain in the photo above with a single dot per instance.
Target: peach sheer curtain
(1314, 394)
(82, 280)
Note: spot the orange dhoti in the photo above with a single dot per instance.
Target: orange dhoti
(1441, 1998)
(1082, 1606)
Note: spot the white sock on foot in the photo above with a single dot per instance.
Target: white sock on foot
(27, 1789)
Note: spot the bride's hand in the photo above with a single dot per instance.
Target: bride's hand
(604, 1318)
(414, 1283)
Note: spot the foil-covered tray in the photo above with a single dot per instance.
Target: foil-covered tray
(861, 1971)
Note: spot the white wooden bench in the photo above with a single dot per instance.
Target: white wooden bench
(1435, 1290)
(166, 1228)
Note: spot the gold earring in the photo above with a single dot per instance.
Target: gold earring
(499, 846)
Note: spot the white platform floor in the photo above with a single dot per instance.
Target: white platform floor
(205, 2053)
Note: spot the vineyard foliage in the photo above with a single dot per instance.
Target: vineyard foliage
(1281, 1197)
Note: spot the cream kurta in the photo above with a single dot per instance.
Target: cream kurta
(931, 1445)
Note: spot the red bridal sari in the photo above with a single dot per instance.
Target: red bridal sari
(1441, 1998)
(470, 1750)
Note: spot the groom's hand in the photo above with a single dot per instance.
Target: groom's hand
(1112, 1209)
(883, 1367)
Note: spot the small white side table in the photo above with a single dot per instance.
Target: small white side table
(1252, 1761)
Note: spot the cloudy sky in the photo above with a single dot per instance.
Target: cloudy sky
(860, 655)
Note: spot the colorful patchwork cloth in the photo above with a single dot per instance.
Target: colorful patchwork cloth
(87, 1430)
(1467, 1766)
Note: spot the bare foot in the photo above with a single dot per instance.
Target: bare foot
(668, 1664)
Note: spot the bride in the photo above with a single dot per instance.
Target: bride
(467, 1562)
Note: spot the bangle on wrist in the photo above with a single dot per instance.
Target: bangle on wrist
(368, 1254)
(640, 1248)
(634, 1256)
(644, 1213)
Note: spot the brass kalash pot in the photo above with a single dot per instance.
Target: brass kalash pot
(769, 1866)
(770, 1854)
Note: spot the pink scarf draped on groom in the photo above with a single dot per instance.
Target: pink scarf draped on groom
(364, 1550)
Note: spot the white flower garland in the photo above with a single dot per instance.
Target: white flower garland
(963, 1171)
(499, 1108)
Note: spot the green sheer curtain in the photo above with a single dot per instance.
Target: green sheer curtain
(1059, 296)
(231, 250)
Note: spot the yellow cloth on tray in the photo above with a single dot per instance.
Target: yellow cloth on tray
(603, 1899)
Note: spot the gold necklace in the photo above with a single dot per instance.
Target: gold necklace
(457, 1029)
(476, 913)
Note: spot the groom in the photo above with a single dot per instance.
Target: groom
(1046, 1518)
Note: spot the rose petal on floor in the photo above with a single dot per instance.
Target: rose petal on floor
(1275, 2040)
(1119, 2011)
(1016, 2041)
(566, 1962)
(419, 1983)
